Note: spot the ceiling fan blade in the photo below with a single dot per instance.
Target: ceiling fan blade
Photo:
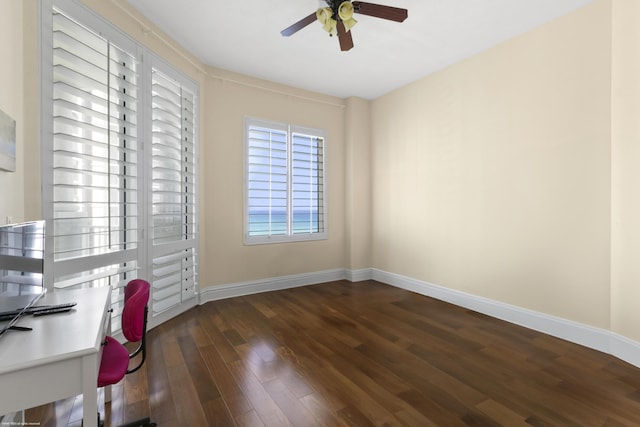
(298, 25)
(344, 37)
(379, 11)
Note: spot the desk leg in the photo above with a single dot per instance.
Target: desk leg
(90, 390)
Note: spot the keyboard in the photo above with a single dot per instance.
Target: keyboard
(39, 310)
(53, 309)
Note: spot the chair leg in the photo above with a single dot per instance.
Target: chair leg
(143, 422)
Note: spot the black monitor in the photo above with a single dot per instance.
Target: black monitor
(21, 270)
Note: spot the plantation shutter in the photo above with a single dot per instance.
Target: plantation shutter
(173, 205)
(267, 180)
(284, 183)
(307, 183)
(118, 163)
(94, 170)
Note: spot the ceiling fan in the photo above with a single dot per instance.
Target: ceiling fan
(337, 18)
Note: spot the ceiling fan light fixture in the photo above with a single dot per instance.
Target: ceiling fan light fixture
(345, 10)
(325, 16)
(349, 23)
(345, 13)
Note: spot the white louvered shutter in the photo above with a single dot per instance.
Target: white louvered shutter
(94, 171)
(173, 206)
(267, 180)
(284, 183)
(307, 183)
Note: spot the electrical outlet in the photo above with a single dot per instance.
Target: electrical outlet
(9, 220)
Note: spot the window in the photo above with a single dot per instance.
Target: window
(285, 183)
(118, 209)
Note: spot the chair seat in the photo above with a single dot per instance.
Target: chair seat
(114, 363)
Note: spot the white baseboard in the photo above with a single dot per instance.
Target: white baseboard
(158, 319)
(359, 275)
(271, 284)
(578, 333)
(588, 336)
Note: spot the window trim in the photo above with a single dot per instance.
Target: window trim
(290, 237)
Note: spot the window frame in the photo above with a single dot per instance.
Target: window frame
(289, 129)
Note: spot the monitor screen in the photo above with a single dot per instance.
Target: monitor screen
(21, 269)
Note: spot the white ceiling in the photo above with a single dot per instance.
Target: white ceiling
(244, 36)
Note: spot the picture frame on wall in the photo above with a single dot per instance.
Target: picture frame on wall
(7, 142)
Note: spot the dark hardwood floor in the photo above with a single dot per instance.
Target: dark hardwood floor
(361, 354)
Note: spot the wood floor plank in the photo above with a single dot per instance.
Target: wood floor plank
(265, 407)
(189, 409)
(212, 322)
(217, 412)
(199, 374)
(249, 419)
(361, 354)
(236, 401)
(504, 416)
(320, 410)
(294, 410)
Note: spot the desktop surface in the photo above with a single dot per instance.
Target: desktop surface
(11, 303)
(57, 336)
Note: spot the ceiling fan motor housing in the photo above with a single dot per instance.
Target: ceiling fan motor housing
(335, 6)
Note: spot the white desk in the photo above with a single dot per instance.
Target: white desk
(59, 358)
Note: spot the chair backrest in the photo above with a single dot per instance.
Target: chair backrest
(136, 297)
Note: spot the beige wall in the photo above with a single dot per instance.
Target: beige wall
(11, 102)
(625, 137)
(492, 177)
(231, 97)
(357, 184)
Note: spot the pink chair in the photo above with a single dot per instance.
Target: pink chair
(115, 357)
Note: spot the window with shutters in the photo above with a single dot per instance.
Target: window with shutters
(173, 189)
(284, 183)
(118, 209)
